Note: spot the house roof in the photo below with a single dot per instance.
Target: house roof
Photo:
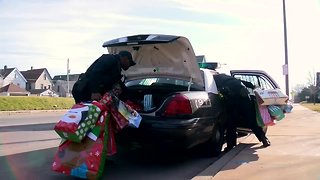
(39, 91)
(5, 72)
(33, 74)
(12, 88)
(72, 77)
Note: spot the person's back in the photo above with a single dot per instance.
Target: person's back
(238, 104)
(101, 76)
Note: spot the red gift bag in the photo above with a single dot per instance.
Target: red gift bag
(85, 159)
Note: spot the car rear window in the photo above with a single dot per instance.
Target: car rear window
(160, 81)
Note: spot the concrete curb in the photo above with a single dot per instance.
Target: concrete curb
(30, 111)
(215, 167)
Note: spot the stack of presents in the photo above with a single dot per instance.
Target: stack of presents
(270, 106)
(87, 131)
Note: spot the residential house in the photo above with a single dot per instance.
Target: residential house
(61, 84)
(12, 75)
(43, 92)
(13, 90)
(1, 81)
(37, 79)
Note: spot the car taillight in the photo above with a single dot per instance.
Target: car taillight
(177, 106)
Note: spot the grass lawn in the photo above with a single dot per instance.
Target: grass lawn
(311, 106)
(15, 103)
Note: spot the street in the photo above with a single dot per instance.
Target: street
(28, 144)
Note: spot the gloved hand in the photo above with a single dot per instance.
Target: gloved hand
(95, 96)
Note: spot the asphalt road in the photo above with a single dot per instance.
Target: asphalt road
(28, 144)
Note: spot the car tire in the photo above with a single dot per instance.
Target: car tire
(213, 146)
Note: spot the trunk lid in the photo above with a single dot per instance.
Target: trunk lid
(158, 56)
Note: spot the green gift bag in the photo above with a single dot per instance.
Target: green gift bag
(276, 112)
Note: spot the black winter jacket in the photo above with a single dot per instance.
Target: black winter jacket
(103, 73)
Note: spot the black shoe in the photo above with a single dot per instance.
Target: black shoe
(227, 149)
(266, 142)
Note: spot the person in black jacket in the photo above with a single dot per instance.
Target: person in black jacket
(101, 76)
(238, 103)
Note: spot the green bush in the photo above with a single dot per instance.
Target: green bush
(15, 103)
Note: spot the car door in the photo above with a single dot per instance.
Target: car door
(256, 77)
(259, 79)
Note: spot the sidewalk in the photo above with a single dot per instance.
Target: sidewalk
(294, 152)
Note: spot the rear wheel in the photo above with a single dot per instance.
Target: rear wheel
(214, 145)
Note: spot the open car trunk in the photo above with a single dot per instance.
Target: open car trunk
(150, 93)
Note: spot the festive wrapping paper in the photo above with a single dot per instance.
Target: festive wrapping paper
(85, 159)
(265, 116)
(276, 112)
(258, 115)
(112, 146)
(76, 123)
(122, 113)
(130, 114)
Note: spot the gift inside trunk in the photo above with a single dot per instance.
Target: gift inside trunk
(151, 97)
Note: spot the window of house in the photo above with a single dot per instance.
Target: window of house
(49, 87)
(15, 76)
(58, 89)
(41, 86)
(18, 84)
(45, 77)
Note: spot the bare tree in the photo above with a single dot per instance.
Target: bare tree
(313, 86)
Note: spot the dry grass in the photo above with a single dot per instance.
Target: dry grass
(311, 106)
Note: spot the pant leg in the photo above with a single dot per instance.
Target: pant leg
(248, 110)
(231, 128)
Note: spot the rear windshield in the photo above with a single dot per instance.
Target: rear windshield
(161, 81)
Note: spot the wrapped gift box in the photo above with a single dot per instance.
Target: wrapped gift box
(86, 159)
(78, 121)
(270, 97)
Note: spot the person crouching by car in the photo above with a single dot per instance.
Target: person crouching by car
(238, 102)
(101, 76)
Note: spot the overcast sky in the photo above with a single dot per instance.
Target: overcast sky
(246, 34)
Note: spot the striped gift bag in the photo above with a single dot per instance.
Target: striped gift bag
(265, 115)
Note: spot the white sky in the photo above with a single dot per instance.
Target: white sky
(246, 34)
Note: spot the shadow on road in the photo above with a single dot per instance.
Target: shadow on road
(28, 127)
(135, 163)
(248, 155)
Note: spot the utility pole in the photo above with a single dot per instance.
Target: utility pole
(68, 71)
(286, 65)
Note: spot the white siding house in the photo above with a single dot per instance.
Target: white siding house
(12, 76)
